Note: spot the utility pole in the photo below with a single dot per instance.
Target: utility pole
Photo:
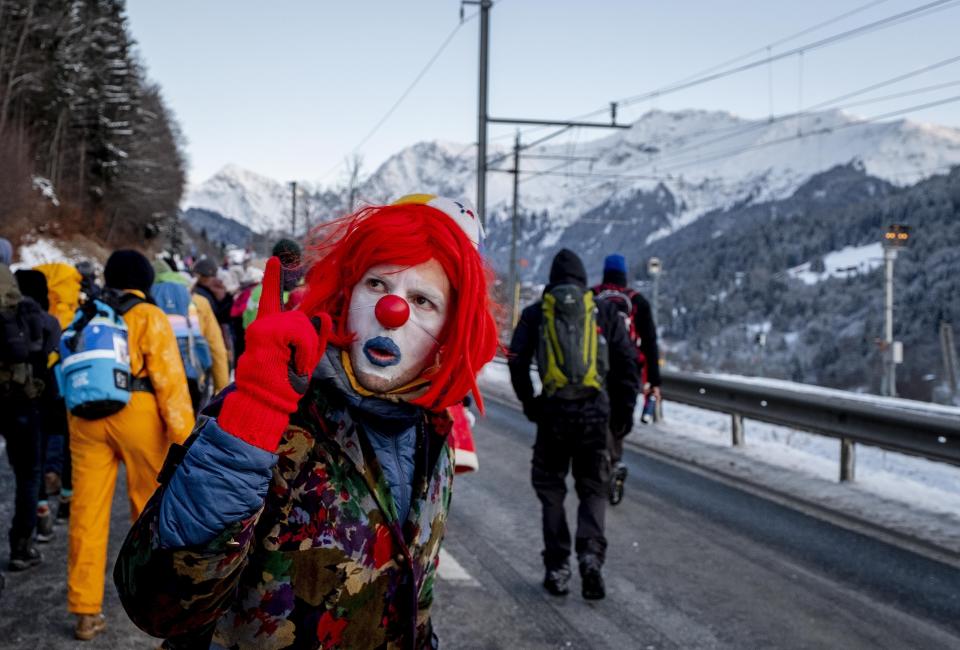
(485, 6)
(654, 269)
(293, 208)
(895, 238)
(515, 229)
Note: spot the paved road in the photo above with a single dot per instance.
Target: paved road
(692, 564)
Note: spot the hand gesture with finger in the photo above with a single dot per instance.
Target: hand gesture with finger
(282, 350)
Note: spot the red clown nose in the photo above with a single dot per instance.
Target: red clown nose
(392, 311)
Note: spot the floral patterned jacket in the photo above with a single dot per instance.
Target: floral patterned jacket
(324, 564)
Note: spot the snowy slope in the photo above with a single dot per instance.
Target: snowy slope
(703, 159)
(257, 202)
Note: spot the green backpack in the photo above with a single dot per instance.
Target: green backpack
(572, 356)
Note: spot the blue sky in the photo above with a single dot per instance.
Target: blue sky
(289, 88)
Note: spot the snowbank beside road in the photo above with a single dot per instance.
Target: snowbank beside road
(916, 482)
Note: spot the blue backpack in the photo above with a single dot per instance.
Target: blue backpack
(177, 303)
(94, 373)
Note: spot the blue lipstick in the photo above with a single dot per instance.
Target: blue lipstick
(381, 351)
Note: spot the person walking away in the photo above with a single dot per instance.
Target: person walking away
(67, 288)
(289, 254)
(199, 336)
(249, 280)
(208, 285)
(583, 354)
(21, 338)
(33, 285)
(638, 318)
(137, 432)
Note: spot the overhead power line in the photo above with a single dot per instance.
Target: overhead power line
(916, 12)
(786, 39)
(738, 130)
(904, 16)
(406, 92)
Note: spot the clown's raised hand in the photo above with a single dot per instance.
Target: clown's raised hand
(282, 350)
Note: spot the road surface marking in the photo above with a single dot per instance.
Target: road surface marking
(452, 571)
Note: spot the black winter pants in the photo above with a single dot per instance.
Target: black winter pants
(560, 446)
(21, 428)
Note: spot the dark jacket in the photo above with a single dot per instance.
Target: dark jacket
(622, 381)
(221, 308)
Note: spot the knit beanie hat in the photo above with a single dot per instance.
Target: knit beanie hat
(288, 251)
(128, 269)
(34, 285)
(205, 268)
(615, 270)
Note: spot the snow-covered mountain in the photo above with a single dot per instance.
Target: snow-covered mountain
(678, 165)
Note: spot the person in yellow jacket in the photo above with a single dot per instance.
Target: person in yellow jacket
(63, 290)
(139, 436)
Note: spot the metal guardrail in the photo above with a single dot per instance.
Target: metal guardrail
(933, 436)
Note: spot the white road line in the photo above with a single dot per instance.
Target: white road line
(452, 571)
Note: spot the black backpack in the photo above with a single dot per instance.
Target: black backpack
(21, 335)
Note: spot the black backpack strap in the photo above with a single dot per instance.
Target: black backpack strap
(127, 301)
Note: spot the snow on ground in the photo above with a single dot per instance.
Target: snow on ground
(919, 483)
(42, 251)
(837, 264)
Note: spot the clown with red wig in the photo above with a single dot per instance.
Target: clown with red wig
(308, 507)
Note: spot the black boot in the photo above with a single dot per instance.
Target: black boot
(23, 555)
(591, 578)
(557, 580)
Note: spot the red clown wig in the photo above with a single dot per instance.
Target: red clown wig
(408, 235)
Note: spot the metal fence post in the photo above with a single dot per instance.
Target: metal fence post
(847, 459)
(736, 429)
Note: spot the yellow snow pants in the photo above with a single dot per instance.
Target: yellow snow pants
(134, 436)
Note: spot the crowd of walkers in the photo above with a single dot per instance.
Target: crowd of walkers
(98, 373)
(235, 511)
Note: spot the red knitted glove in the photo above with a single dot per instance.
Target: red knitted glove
(283, 348)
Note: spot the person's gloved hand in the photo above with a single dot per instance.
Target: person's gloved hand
(533, 409)
(621, 421)
(283, 348)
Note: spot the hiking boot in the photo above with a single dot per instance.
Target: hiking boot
(618, 477)
(557, 580)
(89, 626)
(591, 578)
(23, 555)
(44, 523)
(51, 483)
(63, 509)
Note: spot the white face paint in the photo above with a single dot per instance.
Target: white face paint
(386, 358)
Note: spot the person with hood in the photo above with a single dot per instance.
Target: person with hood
(309, 507)
(139, 435)
(203, 318)
(583, 355)
(638, 317)
(52, 421)
(21, 342)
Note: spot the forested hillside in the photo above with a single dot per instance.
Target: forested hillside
(87, 143)
(728, 278)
